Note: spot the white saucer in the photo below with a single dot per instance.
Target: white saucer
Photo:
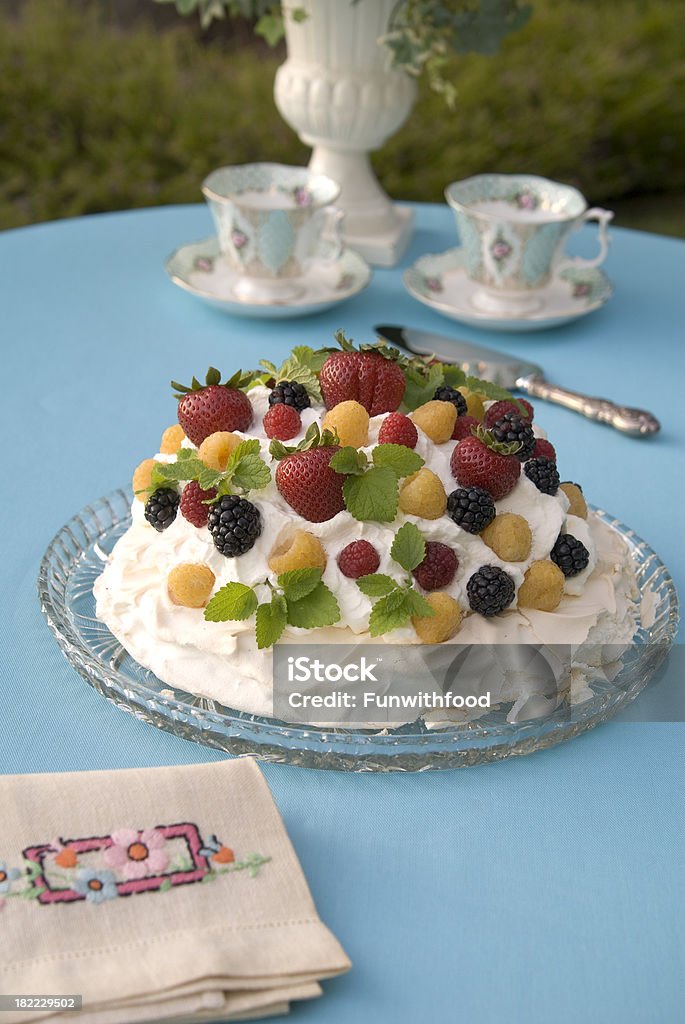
(440, 281)
(200, 269)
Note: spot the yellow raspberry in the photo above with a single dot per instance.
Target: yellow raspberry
(171, 439)
(422, 493)
(142, 479)
(435, 629)
(474, 403)
(216, 449)
(300, 550)
(351, 420)
(509, 536)
(190, 584)
(578, 506)
(436, 420)
(542, 587)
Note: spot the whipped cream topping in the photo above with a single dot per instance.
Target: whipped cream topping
(221, 660)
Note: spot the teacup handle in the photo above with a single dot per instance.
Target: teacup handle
(332, 247)
(603, 217)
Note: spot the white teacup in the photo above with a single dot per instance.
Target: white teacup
(270, 221)
(513, 228)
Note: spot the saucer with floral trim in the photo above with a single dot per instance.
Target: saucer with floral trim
(440, 281)
(201, 269)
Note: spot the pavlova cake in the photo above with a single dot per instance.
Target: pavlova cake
(353, 494)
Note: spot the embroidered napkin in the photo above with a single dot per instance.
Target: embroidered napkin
(158, 893)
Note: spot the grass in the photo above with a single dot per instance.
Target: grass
(99, 112)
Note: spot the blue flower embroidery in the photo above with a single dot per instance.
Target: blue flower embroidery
(96, 886)
(7, 876)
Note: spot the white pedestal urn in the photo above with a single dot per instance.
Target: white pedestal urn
(336, 90)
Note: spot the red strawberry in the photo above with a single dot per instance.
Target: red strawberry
(205, 408)
(543, 447)
(372, 380)
(474, 464)
(309, 485)
(497, 411)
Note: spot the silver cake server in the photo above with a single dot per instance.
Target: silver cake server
(518, 374)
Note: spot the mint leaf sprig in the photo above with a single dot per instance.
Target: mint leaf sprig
(371, 491)
(302, 365)
(424, 377)
(397, 601)
(245, 471)
(313, 438)
(298, 598)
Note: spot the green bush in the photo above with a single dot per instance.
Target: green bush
(95, 116)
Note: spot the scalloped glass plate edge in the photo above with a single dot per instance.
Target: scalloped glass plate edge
(75, 557)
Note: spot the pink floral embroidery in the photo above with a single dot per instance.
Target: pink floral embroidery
(129, 861)
(135, 853)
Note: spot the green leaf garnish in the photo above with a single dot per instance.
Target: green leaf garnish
(373, 495)
(233, 601)
(421, 385)
(317, 608)
(298, 598)
(389, 612)
(271, 621)
(297, 583)
(398, 602)
(349, 461)
(400, 459)
(313, 438)
(417, 604)
(376, 584)
(409, 547)
(302, 365)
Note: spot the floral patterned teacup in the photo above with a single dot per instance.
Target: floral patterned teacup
(513, 229)
(273, 223)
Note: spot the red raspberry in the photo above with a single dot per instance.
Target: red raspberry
(398, 429)
(462, 427)
(192, 503)
(497, 411)
(282, 422)
(358, 559)
(438, 567)
(543, 447)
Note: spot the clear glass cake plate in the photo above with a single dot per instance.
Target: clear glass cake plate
(76, 556)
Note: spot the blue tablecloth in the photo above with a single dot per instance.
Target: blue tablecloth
(546, 888)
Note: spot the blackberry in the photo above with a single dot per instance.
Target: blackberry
(161, 508)
(289, 392)
(570, 554)
(544, 474)
(472, 508)
(448, 394)
(490, 590)
(511, 428)
(235, 524)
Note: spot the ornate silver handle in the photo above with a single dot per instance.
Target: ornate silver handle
(638, 422)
